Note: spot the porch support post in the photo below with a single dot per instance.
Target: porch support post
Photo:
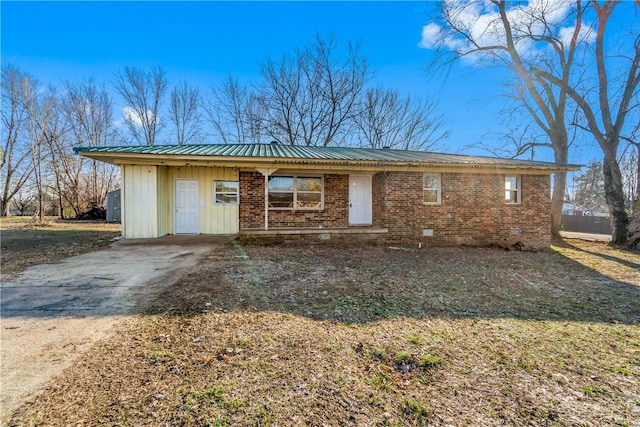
(266, 173)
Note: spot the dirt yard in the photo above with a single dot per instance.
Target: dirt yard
(24, 244)
(370, 335)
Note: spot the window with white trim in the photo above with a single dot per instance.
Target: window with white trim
(225, 192)
(431, 184)
(295, 192)
(512, 189)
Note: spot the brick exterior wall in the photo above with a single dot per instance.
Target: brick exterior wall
(398, 204)
(472, 209)
(334, 215)
(251, 200)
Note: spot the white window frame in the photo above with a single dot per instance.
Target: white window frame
(518, 190)
(216, 192)
(294, 206)
(437, 189)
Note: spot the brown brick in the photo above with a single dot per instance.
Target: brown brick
(472, 209)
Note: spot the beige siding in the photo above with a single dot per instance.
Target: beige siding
(214, 219)
(139, 201)
(165, 207)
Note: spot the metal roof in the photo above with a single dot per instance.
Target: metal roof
(300, 152)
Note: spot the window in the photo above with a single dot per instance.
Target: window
(225, 192)
(295, 192)
(431, 188)
(512, 189)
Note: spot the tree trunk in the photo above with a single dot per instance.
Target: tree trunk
(634, 225)
(558, 135)
(60, 206)
(557, 201)
(615, 199)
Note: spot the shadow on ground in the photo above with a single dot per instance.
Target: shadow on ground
(359, 284)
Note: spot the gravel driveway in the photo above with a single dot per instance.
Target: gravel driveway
(51, 314)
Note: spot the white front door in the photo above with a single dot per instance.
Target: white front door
(186, 217)
(359, 200)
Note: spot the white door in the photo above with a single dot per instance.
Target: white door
(359, 200)
(186, 206)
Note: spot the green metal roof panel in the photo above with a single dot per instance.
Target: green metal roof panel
(300, 152)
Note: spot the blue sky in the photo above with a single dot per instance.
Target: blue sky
(202, 42)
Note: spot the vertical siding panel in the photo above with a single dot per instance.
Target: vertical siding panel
(130, 208)
(140, 201)
(164, 208)
(223, 218)
(170, 190)
(205, 185)
(214, 219)
(124, 185)
(152, 202)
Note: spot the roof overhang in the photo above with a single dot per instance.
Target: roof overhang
(243, 162)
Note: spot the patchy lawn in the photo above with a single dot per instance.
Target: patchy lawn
(24, 244)
(368, 335)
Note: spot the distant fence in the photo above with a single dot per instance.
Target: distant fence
(113, 206)
(586, 224)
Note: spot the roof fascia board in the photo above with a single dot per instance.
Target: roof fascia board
(324, 164)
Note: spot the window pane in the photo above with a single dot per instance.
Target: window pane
(226, 187)
(309, 200)
(430, 181)
(430, 196)
(280, 183)
(309, 184)
(510, 183)
(280, 200)
(511, 196)
(227, 198)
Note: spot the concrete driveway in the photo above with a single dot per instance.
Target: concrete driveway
(586, 236)
(50, 314)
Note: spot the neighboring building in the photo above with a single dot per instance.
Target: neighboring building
(329, 193)
(578, 219)
(112, 205)
(570, 208)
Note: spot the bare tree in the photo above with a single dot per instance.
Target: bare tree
(235, 113)
(501, 33)
(387, 120)
(43, 125)
(143, 92)
(78, 183)
(630, 168)
(589, 188)
(184, 109)
(15, 165)
(310, 96)
(88, 113)
(23, 201)
(606, 106)
(517, 138)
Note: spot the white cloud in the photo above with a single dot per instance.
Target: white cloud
(481, 20)
(586, 34)
(132, 116)
(430, 36)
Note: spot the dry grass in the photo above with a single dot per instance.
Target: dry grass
(24, 243)
(322, 335)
